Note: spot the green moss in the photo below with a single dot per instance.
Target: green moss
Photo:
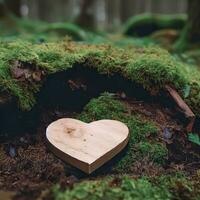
(126, 41)
(182, 43)
(181, 186)
(106, 189)
(155, 152)
(26, 28)
(169, 180)
(9, 54)
(106, 107)
(14, 28)
(145, 24)
(151, 67)
(63, 29)
(173, 186)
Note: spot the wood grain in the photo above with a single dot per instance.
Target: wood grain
(86, 146)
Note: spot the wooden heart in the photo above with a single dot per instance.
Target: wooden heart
(87, 146)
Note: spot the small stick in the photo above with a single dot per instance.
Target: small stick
(183, 106)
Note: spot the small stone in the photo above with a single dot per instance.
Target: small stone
(21, 139)
(167, 134)
(12, 151)
(123, 95)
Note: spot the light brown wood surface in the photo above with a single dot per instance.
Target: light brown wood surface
(86, 146)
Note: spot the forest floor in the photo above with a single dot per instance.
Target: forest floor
(42, 81)
(28, 169)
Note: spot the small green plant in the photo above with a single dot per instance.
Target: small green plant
(192, 137)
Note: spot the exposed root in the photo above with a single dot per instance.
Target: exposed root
(183, 106)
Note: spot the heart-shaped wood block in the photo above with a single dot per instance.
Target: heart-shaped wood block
(86, 146)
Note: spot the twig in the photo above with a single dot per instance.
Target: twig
(183, 106)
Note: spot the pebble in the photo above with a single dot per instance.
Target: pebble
(12, 151)
(167, 134)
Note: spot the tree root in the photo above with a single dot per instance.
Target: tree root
(183, 107)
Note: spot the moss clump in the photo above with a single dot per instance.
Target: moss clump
(145, 24)
(155, 152)
(126, 41)
(150, 67)
(64, 29)
(182, 43)
(106, 107)
(164, 187)
(106, 189)
(14, 28)
(26, 28)
(181, 186)
(191, 91)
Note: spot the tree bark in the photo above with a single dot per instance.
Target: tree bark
(2, 10)
(86, 18)
(10, 6)
(14, 7)
(113, 14)
(191, 33)
(193, 20)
